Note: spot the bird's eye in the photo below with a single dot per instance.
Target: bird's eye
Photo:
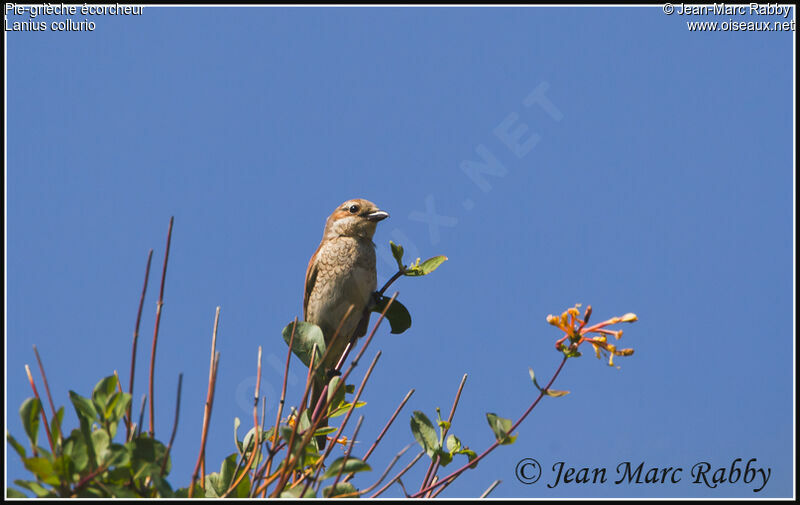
(353, 209)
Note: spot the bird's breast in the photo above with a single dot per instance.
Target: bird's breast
(346, 276)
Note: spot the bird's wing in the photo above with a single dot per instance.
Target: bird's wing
(311, 278)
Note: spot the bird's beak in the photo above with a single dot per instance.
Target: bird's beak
(378, 215)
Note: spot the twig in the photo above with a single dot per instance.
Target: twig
(340, 384)
(365, 315)
(41, 409)
(475, 461)
(256, 434)
(159, 305)
(136, 339)
(434, 466)
(346, 418)
(288, 470)
(84, 481)
(206, 418)
(174, 425)
(47, 390)
(316, 410)
(383, 431)
(396, 477)
(347, 452)
(490, 489)
(388, 469)
(275, 432)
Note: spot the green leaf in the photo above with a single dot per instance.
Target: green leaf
(103, 392)
(352, 465)
(335, 398)
(429, 265)
(43, 469)
(115, 412)
(118, 455)
(147, 456)
(243, 489)
(398, 316)
(342, 488)
(453, 444)
(55, 423)
(100, 442)
(34, 487)
(214, 486)
(444, 457)
(556, 393)
(162, 486)
(226, 471)
(64, 467)
(236, 423)
(75, 448)
(29, 413)
(325, 430)
(343, 408)
(397, 252)
(83, 407)
(118, 491)
(86, 415)
(16, 445)
(297, 489)
(13, 493)
(500, 426)
(470, 455)
(425, 433)
(305, 336)
(533, 378)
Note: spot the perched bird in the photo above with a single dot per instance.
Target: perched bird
(341, 274)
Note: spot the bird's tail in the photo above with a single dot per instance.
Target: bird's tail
(316, 391)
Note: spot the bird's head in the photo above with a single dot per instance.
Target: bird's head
(354, 218)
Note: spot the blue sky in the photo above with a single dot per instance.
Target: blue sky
(659, 181)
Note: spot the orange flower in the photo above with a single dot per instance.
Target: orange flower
(577, 331)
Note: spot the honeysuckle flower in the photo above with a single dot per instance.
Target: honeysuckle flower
(577, 332)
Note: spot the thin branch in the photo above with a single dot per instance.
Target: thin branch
(434, 466)
(492, 447)
(275, 432)
(212, 379)
(159, 305)
(383, 431)
(388, 469)
(490, 489)
(174, 425)
(41, 409)
(365, 315)
(347, 452)
(256, 433)
(316, 410)
(47, 390)
(84, 481)
(346, 418)
(136, 339)
(396, 477)
(340, 384)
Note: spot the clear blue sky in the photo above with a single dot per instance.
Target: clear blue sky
(659, 182)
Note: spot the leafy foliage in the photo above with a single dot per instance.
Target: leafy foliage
(92, 460)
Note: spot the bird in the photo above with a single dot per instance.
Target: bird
(341, 274)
